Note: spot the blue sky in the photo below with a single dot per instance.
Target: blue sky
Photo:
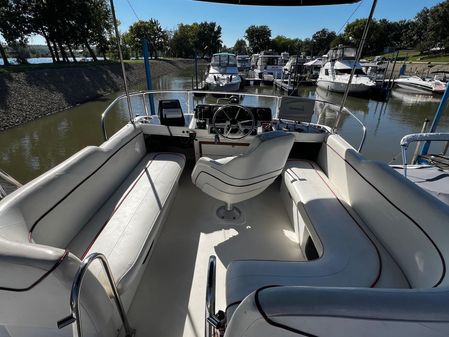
(292, 22)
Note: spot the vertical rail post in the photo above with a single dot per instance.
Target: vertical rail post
(436, 119)
(418, 144)
(196, 70)
(148, 73)
(119, 46)
(390, 83)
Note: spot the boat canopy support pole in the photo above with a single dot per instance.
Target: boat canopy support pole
(359, 54)
(148, 73)
(436, 119)
(119, 46)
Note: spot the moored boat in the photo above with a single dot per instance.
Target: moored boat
(335, 73)
(421, 85)
(223, 74)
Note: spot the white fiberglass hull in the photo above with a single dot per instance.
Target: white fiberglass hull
(218, 86)
(354, 88)
(417, 85)
(413, 87)
(221, 83)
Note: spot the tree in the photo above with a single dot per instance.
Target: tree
(258, 38)
(438, 25)
(284, 44)
(181, 44)
(322, 40)
(152, 31)
(240, 47)
(207, 38)
(377, 37)
(204, 38)
(14, 27)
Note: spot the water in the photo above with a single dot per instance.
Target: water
(41, 60)
(31, 149)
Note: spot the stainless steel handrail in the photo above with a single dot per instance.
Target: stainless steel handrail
(362, 141)
(420, 137)
(74, 316)
(189, 93)
(210, 296)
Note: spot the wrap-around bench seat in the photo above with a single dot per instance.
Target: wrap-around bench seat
(347, 254)
(345, 251)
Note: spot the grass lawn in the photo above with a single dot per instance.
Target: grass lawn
(416, 56)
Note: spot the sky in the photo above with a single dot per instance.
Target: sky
(293, 22)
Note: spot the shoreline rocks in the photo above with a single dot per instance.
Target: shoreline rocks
(26, 96)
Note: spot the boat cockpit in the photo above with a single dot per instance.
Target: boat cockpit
(243, 215)
(254, 203)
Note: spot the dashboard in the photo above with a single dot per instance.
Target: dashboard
(204, 114)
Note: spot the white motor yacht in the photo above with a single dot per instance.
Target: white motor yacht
(285, 57)
(336, 70)
(243, 62)
(421, 85)
(254, 58)
(269, 66)
(295, 65)
(230, 217)
(223, 74)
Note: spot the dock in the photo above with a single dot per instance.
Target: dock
(256, 81)
(285, 85)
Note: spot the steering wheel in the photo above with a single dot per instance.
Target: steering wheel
(233, 121)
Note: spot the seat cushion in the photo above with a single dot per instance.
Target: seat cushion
(348, 258)
(125, 227)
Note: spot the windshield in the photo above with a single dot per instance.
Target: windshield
(224, 60)
(348, 71)
(269, 61)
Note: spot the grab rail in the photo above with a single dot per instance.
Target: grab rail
(74, 316)
(420, 137)
(277, 99)
(210, 296)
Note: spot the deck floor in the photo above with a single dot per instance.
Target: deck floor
(171, 297)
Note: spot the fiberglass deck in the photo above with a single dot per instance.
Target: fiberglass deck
(171, 297)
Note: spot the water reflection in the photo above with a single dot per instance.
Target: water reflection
(29, 150)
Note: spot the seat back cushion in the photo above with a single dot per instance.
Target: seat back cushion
(411, 224)
(55, 206)
(269, 150)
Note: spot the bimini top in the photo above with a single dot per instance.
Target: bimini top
(284, 2)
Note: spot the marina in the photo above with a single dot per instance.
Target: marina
(386, 122)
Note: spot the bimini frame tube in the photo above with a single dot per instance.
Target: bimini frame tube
(358, 55)
(119, 46)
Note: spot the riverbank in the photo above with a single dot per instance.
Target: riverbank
(25, 96)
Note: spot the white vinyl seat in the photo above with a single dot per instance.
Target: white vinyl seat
(238, 178)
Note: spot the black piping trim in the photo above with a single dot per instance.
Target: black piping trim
(273, 323)
(405, 214)
(78, 185)
(226, 183)
(232, 304)
(149, 251)
(361, 228)
(66, 252)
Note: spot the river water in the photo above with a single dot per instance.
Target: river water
(31, 149)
